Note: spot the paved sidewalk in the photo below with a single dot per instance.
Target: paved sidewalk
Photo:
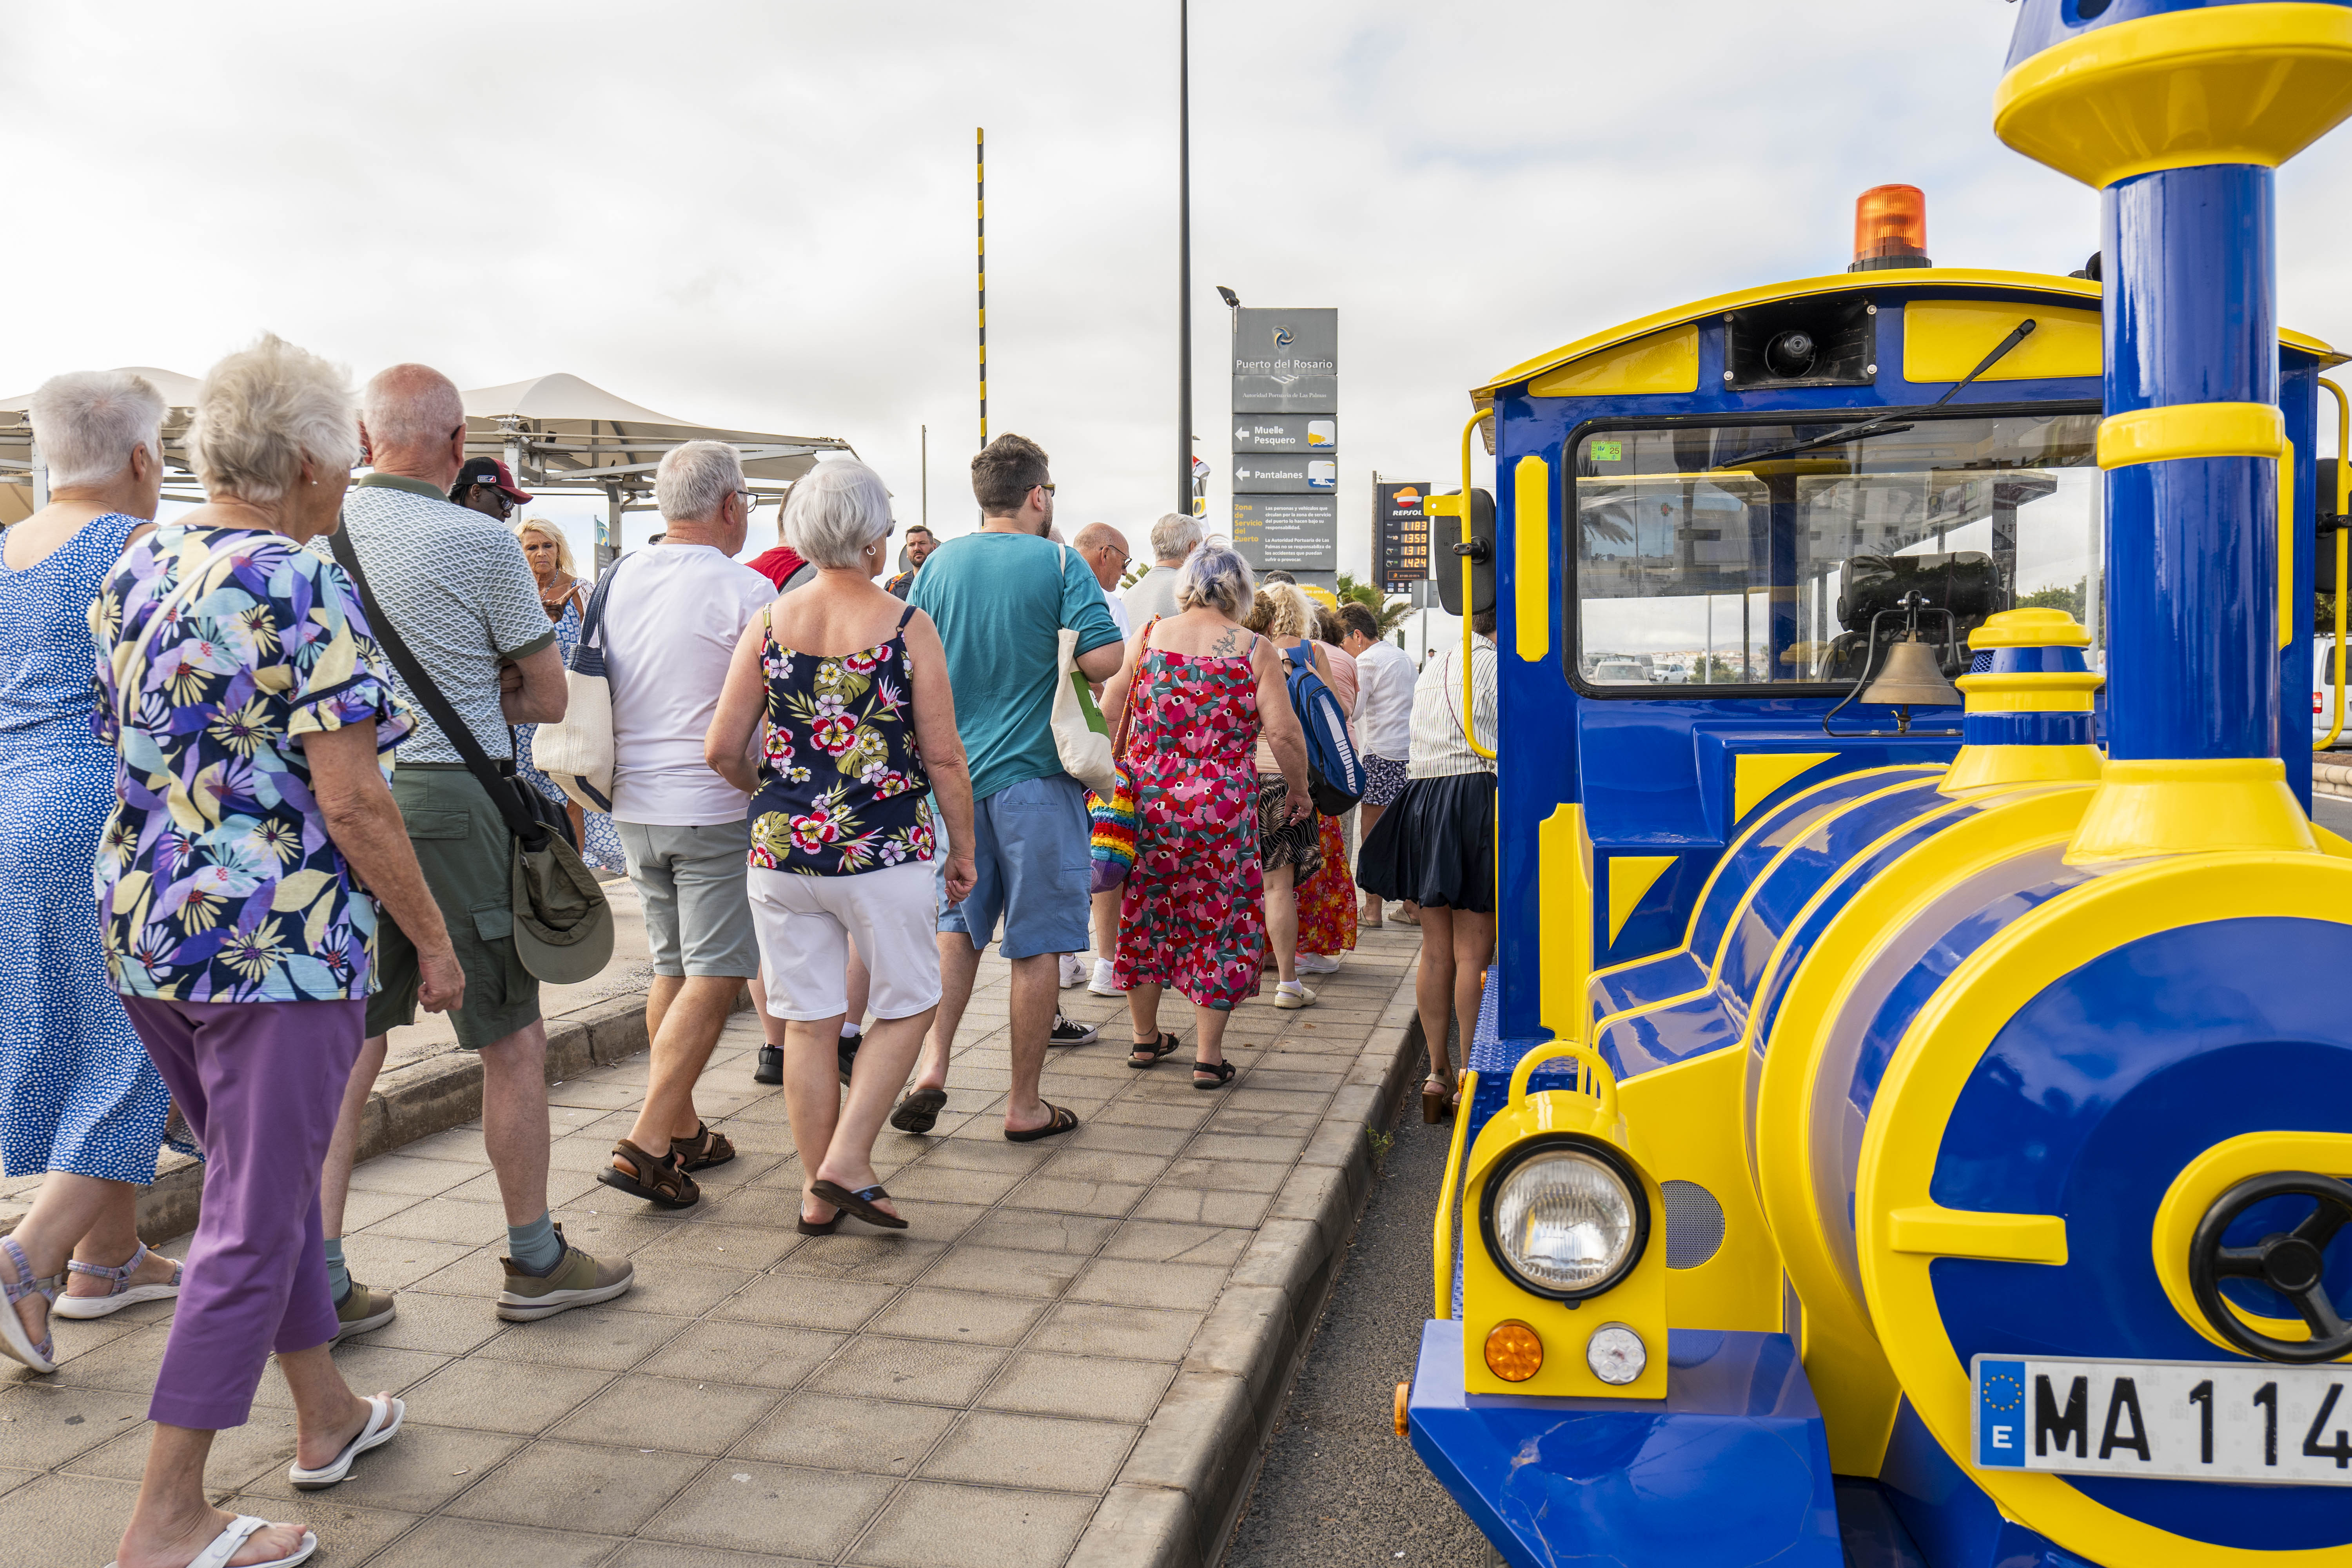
(959, 1395)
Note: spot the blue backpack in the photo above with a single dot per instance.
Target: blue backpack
(1335, 774)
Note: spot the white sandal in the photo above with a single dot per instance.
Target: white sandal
(384, 1414)
(120, 1293)
(241, 1530)
(15, 1343)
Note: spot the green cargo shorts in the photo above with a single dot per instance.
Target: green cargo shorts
(468, 856)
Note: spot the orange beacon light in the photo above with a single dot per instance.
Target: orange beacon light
(1890, 229)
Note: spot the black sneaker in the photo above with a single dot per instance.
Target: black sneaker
(1066, 1032)
(772, 1065)
(847, 1052)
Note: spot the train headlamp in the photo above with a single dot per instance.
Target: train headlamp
(1565, 1217)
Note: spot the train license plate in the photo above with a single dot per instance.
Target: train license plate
(2182, 1420)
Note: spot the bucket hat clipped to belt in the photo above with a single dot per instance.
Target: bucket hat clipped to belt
(563, 923)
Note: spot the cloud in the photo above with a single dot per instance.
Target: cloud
(760, 215)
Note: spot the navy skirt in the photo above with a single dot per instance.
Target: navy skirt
(1435, 845)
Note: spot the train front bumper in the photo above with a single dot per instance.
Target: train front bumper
(1732, 1466)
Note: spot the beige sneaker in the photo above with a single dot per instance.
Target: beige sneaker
(1293, 996)
(578, 1281)
(362, 1312)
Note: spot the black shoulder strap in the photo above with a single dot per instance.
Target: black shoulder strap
(905, 618)
(494, 783)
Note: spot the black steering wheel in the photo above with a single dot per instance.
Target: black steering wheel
(2292, 1262)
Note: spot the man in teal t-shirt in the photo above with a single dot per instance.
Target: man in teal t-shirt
(1000, 599)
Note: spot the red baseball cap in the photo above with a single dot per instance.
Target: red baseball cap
(489, 471)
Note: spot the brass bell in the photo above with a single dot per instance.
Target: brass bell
(1912, 676)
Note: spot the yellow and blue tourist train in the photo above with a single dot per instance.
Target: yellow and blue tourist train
(1912, 1115)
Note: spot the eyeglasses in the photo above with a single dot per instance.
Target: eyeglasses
(1047, 488)
(750, 500)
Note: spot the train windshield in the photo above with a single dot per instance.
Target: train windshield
(1762, 555)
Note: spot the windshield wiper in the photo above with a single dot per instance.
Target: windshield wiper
(1884, 423)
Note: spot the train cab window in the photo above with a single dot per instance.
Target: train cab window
(1754, 555)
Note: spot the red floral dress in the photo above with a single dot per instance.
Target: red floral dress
(1192, 916)
(1326, 904)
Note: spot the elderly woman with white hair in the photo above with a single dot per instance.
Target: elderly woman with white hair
(79, 1098)
(239, 883)
(838, 714)
(1198, 690)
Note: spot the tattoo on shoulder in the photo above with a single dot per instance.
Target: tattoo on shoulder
(1225, 644)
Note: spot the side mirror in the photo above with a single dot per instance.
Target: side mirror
(1451, 541)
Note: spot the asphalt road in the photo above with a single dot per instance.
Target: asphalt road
(2333, 814)
(1338, 1486)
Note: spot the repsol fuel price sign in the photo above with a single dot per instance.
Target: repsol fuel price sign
(2182, 1420)
(1400, 535)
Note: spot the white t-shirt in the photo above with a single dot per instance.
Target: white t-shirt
(1384, 680)
(1118, 609)
(671, 622)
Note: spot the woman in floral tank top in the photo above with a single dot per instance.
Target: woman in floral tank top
(845, 754)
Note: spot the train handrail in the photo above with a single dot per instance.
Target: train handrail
(1441, 1248)
(1469, 702)
(1593, 1069)
(2343, 557)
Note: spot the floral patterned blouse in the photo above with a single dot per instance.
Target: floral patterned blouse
(217, 649)
(844, 788)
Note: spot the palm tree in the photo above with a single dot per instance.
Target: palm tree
(1390, 611)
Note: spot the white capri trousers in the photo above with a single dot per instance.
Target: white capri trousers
(806, 924)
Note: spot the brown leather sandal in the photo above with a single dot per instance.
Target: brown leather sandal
(661, 1180)
(703, 1149)
(1437, 1104)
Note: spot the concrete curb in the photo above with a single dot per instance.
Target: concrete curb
(1181, 1493)
(414, 1101)
(2332, 778)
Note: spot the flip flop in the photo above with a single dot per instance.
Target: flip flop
(1063, 1120)
(242, 1529)
(385, 1415)
(919, 1111)
(820, 1226)
(859, 1203)
(1165, 1046)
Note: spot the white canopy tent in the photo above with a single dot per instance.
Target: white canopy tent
(558, 434)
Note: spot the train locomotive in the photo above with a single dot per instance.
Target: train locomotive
(1911, 1117)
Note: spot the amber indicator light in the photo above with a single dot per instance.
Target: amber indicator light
(1890, 220)
(1513, 1352)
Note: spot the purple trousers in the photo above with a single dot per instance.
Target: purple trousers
(260, 1083)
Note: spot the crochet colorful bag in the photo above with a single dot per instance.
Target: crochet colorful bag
(1112, 849)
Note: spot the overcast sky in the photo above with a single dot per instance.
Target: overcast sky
(759, 215)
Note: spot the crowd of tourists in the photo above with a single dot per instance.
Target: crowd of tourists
(224, 896)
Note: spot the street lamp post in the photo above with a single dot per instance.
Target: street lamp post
(1185, 257)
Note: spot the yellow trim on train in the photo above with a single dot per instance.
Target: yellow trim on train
(2228, 84)
(1933, 1064)
(2192, 805)
(2031, 690)
(1756, 775)
(1531, 530)
(1944, 340)
(1441, 1244)
(1630, 877)
(1930, 1230)
(1663, 362)
(2006, 767)
(1689, 1117)
(1856, 1387)
(2200, 1185)
(1900, 284)
(1564, 920)
(2173, 431)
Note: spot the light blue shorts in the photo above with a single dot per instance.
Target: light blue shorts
(1030, 863)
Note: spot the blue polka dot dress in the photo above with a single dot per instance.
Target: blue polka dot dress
(78, 1091)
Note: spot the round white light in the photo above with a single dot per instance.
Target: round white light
(1616, 1354)
(1565, 1220)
